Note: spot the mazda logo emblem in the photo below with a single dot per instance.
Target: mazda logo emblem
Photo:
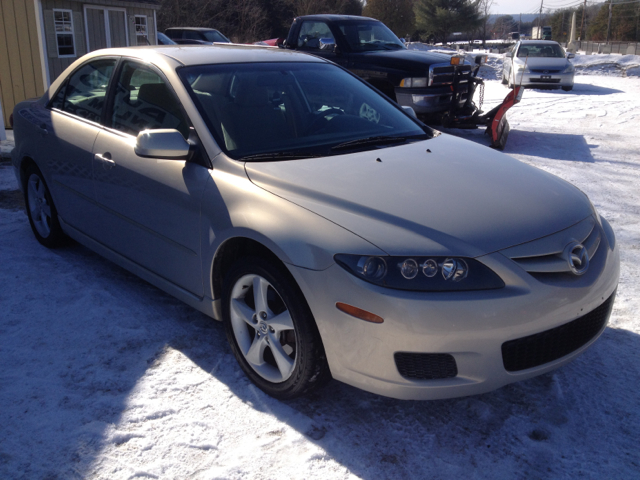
(577, 257)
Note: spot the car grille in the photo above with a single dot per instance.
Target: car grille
(426, 366)
(544, 80)
(550, 345)
(544, 71)
(442, 74)
(546, 255)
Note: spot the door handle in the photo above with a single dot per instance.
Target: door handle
(43, 129)
(106, 161)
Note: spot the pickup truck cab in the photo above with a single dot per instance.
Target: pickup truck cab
(369, 49)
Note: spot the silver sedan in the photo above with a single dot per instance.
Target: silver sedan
(331, 232)
(538, 64)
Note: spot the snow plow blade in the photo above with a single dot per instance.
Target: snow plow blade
(496, 120)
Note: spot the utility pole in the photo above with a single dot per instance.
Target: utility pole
(584, 11)
(609, 23)
(540, 16)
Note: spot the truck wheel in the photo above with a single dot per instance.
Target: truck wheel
(567, 89)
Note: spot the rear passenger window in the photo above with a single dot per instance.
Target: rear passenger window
(85, 91)
(143, 101)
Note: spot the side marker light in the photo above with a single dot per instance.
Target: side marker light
(359, 313)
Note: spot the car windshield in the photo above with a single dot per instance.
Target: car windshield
(551, 50)
(271, 111)
(366, 36)
(215, 36)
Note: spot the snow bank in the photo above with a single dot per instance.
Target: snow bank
(610, 65)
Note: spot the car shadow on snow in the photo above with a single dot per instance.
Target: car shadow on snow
(554, 146)
(581, 418)
(580, 89)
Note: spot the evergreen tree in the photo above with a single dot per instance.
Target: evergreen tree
(443, 17)
(396, 14)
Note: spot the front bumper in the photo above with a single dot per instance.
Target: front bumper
(470, 326)
(544, 80)
(429, 100)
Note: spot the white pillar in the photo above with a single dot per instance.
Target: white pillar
(573, 28)
(3, 135)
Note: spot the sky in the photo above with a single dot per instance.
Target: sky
(528, 6)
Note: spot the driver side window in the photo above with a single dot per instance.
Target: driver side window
(311, 33)
(143, 101)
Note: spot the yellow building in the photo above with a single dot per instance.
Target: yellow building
(40, 38)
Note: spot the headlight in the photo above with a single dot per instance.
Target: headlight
(424, 274)
(522, 69)
(414, 82)
(570, 69)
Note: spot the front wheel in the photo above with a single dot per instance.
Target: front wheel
(567, 89)
(271, 330)
(41, 211)
(504, 78)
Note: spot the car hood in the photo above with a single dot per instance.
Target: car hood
(459, 198)
(408, 60)
(545, 62)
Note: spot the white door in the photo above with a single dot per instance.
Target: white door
(105, 27)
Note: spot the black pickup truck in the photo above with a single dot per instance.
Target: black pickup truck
(438, 87)
(366, 47)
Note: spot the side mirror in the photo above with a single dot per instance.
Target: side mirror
(327, 44)
(409, 110)
(571, 55)
(403, 41)
(162, 143)
(509, 54)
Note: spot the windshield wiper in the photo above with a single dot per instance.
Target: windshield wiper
(278, 156)
(369, 141)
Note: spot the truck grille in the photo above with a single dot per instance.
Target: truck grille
(544, 71)
(426, 366)
(544, 80)
(550, 345)
(443, 73)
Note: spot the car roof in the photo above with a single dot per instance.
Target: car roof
(334, 18)
(547, 42)
(219, 53)
(195, 29)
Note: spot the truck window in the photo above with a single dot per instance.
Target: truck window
(311, 33)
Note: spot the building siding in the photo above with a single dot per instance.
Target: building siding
(22, 57)
(21, 74)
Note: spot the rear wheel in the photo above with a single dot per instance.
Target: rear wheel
(41, 211)
(567, 89)
(271, 330)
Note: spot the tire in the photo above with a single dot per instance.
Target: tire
(504, 79)
(271, 329)
(567, 89)
(41, 210)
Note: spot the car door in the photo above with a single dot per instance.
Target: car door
(151, 207)
(67, 142)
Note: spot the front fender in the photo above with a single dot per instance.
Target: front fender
(234, 207)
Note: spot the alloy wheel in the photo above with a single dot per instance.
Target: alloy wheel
(263, 328)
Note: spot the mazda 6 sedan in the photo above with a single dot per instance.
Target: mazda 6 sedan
(331, 232)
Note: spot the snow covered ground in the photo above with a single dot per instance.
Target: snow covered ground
(105, 377)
